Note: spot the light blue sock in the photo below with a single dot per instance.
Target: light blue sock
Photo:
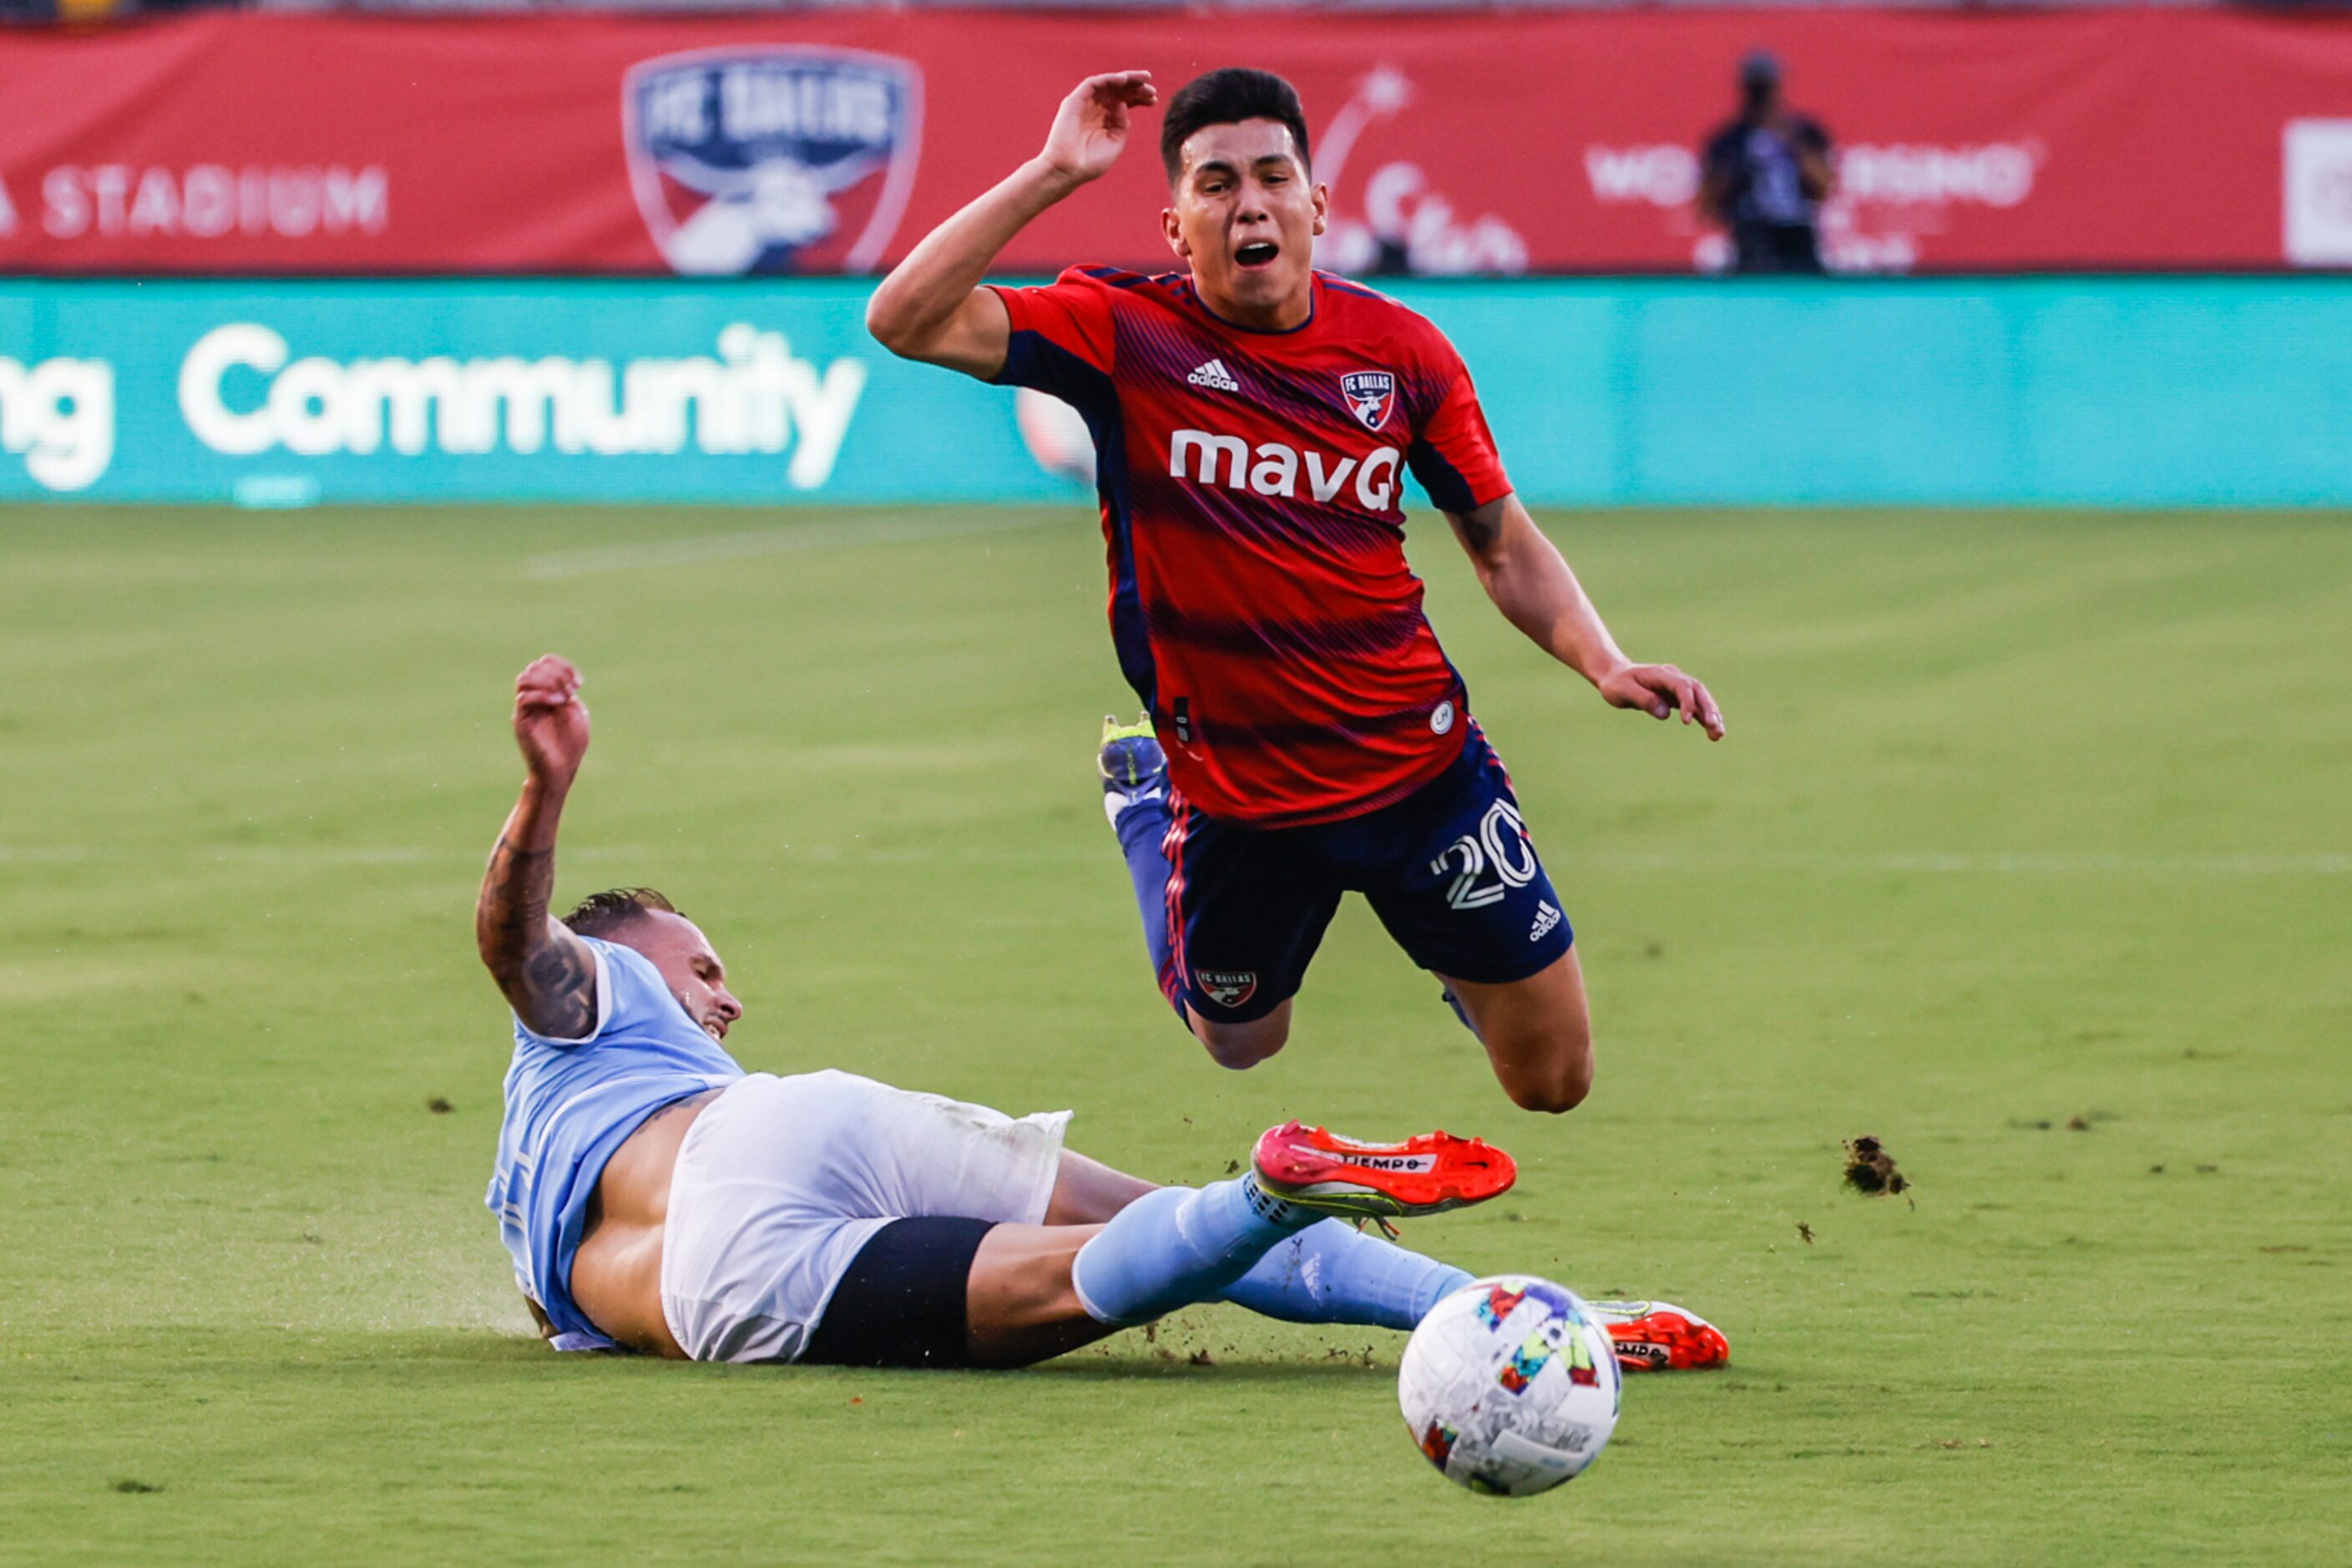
(1177, 1245)
(1331, 1273)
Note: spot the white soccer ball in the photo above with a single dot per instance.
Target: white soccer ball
(1509, 1387)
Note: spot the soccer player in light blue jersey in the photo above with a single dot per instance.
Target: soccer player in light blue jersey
(656, 1197)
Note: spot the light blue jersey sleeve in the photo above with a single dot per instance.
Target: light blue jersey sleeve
(525, 1035)
(630, 996)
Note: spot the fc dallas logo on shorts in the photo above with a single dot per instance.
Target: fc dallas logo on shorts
(1371, 393)
(1227, 987)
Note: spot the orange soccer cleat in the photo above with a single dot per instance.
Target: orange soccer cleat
(1658, 1336)
(1428, 1174)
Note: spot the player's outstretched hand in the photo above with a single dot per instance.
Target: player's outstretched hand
(550, 723)
(1091, 126)
(1661, 691)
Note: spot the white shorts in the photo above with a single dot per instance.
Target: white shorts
(781, 1180)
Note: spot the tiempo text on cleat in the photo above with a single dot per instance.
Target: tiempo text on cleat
(1658, 1336)
(1330, 1175)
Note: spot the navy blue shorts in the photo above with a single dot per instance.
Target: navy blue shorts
(1449, 869)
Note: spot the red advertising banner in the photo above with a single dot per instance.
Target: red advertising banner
(1456, 143)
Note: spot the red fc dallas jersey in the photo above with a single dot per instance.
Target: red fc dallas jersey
(1252, 489)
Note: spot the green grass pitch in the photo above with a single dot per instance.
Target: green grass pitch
(2028, 853)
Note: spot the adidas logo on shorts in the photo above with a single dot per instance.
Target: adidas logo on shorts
(1546, 917)
(1214, 374)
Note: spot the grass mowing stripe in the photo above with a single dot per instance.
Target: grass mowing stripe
(1936, 863)
(789, 539)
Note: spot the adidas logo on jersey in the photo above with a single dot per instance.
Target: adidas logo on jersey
(1214, 374)
(1546, 917)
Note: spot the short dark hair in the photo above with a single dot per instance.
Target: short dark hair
(1228, 97)
(602, 914)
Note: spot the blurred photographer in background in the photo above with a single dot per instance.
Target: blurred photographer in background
(1764, 176)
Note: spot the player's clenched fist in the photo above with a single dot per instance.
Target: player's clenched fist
(550, 723)
(1091, 126)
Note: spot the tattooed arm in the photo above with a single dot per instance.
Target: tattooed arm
(1529, 580)
(548, 973)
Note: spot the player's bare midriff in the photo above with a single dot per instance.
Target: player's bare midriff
(616, 1273)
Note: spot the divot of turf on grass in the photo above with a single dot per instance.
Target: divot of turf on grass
(1869, 1168)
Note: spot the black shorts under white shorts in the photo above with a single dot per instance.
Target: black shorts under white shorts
(903, 1303)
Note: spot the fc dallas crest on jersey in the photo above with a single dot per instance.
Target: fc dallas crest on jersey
(1371, 394)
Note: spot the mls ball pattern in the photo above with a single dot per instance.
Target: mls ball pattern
(1509, 1387)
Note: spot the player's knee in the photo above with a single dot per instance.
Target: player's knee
(1240, 1046)
(1555, 1082)
(1551, 1095)
(1239, 1055)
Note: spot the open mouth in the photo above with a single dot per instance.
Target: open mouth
(1257, 253)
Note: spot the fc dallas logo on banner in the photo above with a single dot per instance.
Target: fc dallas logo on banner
(773, 159)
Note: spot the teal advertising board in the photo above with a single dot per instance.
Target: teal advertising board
(2198, 391)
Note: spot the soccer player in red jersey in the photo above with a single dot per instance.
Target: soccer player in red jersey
(1254, 420)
